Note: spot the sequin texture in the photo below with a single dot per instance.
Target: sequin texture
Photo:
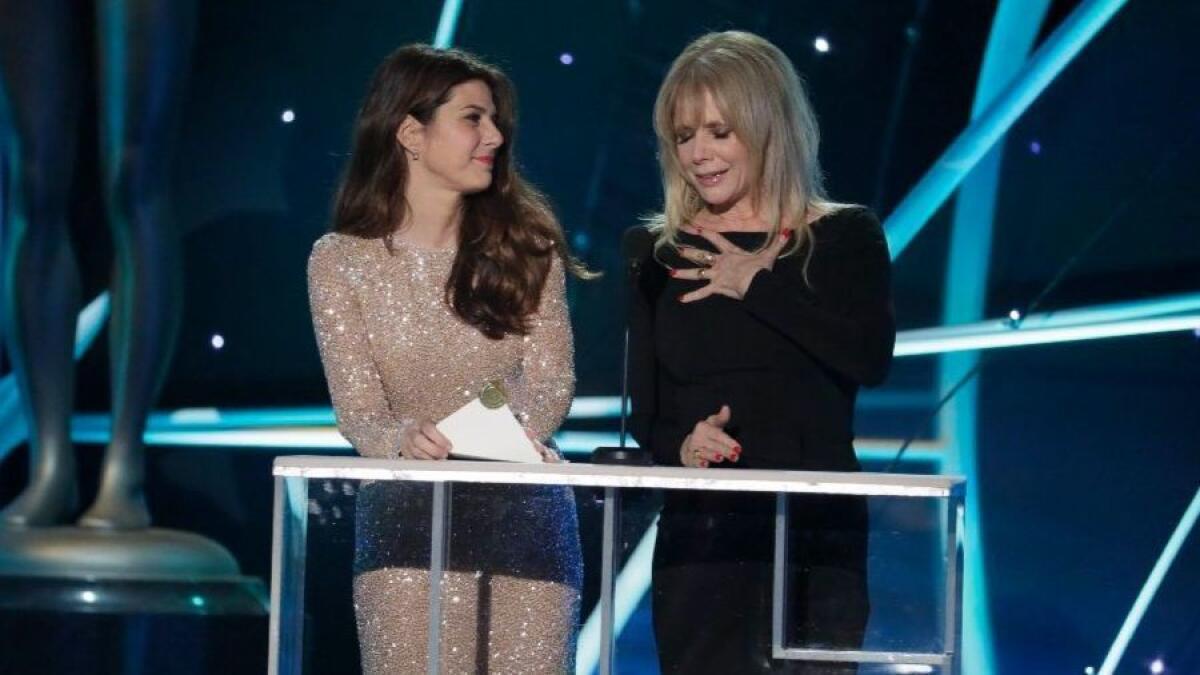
(395, 353)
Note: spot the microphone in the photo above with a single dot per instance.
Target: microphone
(637, 246)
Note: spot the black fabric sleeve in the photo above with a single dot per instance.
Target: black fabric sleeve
(649, 424)
(842, 313)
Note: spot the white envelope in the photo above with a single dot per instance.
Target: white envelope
(478, 432)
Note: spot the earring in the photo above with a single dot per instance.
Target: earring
(415, 155)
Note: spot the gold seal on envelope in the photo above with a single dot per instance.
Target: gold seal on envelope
(493, 396)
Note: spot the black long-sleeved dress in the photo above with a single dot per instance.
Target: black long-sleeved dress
(788, 359)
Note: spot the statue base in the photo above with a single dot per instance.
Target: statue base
(147, 571)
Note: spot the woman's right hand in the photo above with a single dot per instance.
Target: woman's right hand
(708, 443)
(422, 440)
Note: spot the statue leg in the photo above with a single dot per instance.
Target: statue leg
(144, 49)
(42, 70)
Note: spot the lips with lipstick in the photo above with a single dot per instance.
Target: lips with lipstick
(711, 178)
(486, 160)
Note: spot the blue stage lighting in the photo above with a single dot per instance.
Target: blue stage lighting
(288, 116)
(821, 44)
(918, 207)
(447, 24)
(1167, 558)
(566, 59)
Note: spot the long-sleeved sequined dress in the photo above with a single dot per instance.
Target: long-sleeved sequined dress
(394, 353)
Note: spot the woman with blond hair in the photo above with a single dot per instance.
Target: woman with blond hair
(761, 310)
(444, 275)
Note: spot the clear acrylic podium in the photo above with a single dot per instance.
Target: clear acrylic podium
(916, 531)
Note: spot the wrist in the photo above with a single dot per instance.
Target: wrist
(406, 427)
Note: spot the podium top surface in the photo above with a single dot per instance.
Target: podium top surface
(601, 475)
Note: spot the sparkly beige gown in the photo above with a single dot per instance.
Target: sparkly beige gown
(395, 353)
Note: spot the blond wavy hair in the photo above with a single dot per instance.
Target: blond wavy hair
(760, 96)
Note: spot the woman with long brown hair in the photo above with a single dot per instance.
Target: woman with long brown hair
(445, 271)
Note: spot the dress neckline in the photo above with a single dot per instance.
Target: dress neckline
(426, 250)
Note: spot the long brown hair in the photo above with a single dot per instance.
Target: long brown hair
(508, 235)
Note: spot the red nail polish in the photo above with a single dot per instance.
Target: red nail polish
(737, 449)
(674, 273)
(703, 464)
(787, 234)
(720, 459)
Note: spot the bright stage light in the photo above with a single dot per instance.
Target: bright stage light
(443, 38)
(993, 335)
(566, 59)
(1156, 666)
(288, 116)
(1165, 559)
(821, 45)
(217, 341)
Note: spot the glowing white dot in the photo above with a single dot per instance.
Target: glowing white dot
(821, 44)
(1035, 147)
(88, 596)
(288, 116)
(1014, 314)
(1089, 671)
(217, 341)
(197, 601)
(1156, 666)
(566, 59)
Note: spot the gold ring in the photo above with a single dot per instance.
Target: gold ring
(703, 273)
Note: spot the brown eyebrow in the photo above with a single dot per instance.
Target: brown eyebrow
(479, 108)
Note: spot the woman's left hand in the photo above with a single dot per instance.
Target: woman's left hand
(730, 270)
